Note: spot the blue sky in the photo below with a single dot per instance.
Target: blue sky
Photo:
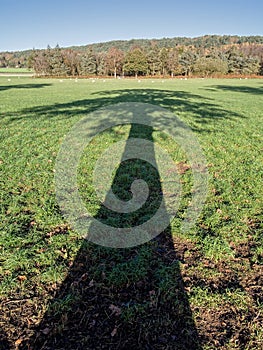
(25, 24)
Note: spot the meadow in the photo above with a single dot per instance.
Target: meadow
(201, 289)
(16, 70)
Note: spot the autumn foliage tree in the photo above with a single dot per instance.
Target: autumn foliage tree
(114, 61)
(157, 58)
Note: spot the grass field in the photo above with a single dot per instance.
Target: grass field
(15, 70)
(197, 290)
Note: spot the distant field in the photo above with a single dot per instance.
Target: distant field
(56, 289)
(16, 70)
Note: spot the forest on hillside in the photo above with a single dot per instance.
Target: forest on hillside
(209, 55)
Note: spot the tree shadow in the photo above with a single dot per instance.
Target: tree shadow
(4, 343)
(128, 298)
(24, 86)
(243, 89)
(203, 111)
(115, 298)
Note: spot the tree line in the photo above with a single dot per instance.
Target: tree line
(153, 59)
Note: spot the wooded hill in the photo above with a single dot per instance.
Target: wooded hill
(203, 56)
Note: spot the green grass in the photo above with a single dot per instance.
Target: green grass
(15, 70)
(38, 248)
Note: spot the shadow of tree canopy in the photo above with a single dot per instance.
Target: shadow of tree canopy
(127, 298)
(132, 298)
(24, 86)
(243, 89)
(203, 111)
(4, 343)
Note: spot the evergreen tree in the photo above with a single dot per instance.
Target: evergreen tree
(154, 65)
(56, 60)
(206, 66)
(101, 68)
(88, 64)
(163, 58)
(187, 60)
(251, 65)
(135, 63)
(173, 65)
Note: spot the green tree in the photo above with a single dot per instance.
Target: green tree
(173, 65)
(154, 65)
(187, 59)
(235, 61)
(251, 65)
(163, 57)
(239, 63)
(3, 61)
(135, 63)
(206, 66)
(88, 64)
(101, 68)
(57, 63)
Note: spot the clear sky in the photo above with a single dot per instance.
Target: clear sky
(25, 24)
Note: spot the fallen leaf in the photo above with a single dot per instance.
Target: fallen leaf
(182, 167)
(114, 332)
(115, 309)
(91, 284)
(18, 341)
(22, 278)
(84, 277)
